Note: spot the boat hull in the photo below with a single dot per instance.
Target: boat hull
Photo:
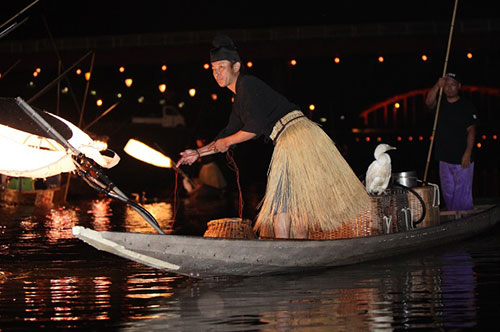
(39, 197)
(201, 257)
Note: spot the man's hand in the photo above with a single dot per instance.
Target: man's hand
(221, 145)
(441, 82)
(188, 156)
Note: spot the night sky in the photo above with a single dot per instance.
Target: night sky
(338, 91)
(81, 18)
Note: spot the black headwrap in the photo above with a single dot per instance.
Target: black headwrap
(223, 48)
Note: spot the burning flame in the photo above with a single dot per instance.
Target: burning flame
(147, 154)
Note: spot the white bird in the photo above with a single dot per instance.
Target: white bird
(379, 172)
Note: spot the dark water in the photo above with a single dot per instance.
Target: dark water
(50, 280)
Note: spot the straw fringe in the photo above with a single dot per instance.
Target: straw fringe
(310, 180)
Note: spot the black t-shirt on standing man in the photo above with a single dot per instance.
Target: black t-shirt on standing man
(451, 132)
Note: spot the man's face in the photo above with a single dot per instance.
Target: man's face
(224, 73)
(451, 87)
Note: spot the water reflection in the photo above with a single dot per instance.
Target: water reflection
(458, 284)
(391, 296)
(101, 212)
(58, 224)
(50, 279)
(161, 211)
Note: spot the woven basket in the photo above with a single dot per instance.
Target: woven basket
(401, 212)
(387, 213)
(430, 196)
(230, 228)
(361, 226)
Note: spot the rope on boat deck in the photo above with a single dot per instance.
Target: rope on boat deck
(233, 166)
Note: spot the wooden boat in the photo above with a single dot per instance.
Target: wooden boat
(203, 257)
(24, 191)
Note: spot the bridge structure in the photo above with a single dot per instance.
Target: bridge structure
(407, 112)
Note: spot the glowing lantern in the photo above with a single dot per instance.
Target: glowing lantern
(397, 105)
(87, 76)
(162, 87)
(121, 69)
(206, 66)
(424, 57)
(147, 154)
(469, 55)
(192, 92)
(380, 59)
(99, 102)
(312, 107)
(164, 67)
(337, 59)
(293, 62)
(128, 82)
(78, 71)
(214, 96)
(249, 64)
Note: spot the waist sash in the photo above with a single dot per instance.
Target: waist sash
(281, 124)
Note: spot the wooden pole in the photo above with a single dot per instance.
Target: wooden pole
(60, 66)
(82, 109)
(101, 116)
(9, 69)
(440, 92)
(19, 13)
(57, 79)
(80, 121)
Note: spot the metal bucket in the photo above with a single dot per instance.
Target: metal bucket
(407, 179)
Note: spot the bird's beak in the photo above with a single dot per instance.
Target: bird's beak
(392, 148)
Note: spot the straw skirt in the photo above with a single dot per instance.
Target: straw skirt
(310, 181)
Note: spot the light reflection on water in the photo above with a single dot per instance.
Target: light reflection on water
(49, 279)
(161, 211)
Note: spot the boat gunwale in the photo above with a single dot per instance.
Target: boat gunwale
(207, 257)
(463, 219)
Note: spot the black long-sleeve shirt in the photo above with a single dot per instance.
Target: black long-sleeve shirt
(256, 108)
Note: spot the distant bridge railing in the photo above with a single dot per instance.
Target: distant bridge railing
(408, 110)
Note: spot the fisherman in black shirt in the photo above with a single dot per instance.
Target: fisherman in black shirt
(310, 185)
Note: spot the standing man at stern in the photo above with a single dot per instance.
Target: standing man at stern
(454, 142)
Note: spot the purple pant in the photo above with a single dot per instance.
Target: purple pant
(456, 186)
